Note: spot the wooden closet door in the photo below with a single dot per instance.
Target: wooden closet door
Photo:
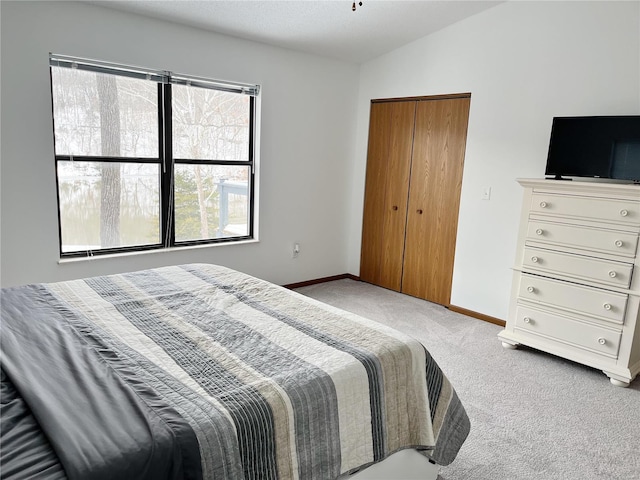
(434, 198)
(386, 189)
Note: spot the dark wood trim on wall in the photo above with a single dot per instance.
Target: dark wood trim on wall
(453, 308)
(446, 96)
(479, 316)
(291, 286)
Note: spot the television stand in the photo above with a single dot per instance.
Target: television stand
(574, 292)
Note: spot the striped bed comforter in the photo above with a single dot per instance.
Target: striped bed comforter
(198, 371)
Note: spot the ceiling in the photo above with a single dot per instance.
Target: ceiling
(327, 28)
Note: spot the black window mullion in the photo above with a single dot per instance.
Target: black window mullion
(101, 159)
(166, 165)
(53, 121)
(252, 129)
(111, 250)
(188, 161)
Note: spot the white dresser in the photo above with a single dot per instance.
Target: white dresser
(576, 280)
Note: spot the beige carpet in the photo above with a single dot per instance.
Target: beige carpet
(533, 416)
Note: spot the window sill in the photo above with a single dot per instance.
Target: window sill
(153, 252)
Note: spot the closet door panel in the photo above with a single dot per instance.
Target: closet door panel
(387, 183)
(396, 197)
(374, 199)
(434, 198)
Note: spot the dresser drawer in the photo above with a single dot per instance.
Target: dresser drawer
(576, 299)
(548, 325)
(578, 267)
(584, 238)
(623, 212)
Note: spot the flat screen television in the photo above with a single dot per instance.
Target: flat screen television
(597, 147)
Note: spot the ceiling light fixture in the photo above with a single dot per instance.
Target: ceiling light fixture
(353, 7)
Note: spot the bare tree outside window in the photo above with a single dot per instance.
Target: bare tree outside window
(110, 137)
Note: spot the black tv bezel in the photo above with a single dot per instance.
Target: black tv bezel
(604, 171)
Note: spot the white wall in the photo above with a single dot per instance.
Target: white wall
(308, 129)
(524, 63)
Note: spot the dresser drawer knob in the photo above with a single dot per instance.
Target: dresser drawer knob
(526, 320)
(539, 231)
(544, 205)
(602, 341)
(619, 243)
(530, 289)
(624, 213)
(534, 259)
(607, 306)
(613, 274)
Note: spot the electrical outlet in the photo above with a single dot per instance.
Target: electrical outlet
(296, 250)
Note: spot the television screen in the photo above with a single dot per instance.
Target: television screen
(600, 147)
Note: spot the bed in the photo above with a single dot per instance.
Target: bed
(198, 371)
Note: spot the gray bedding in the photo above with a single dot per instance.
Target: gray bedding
(198, 371)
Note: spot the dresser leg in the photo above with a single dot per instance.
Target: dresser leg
(618, 383)
(509, 346)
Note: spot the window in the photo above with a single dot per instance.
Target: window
(149, 159)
